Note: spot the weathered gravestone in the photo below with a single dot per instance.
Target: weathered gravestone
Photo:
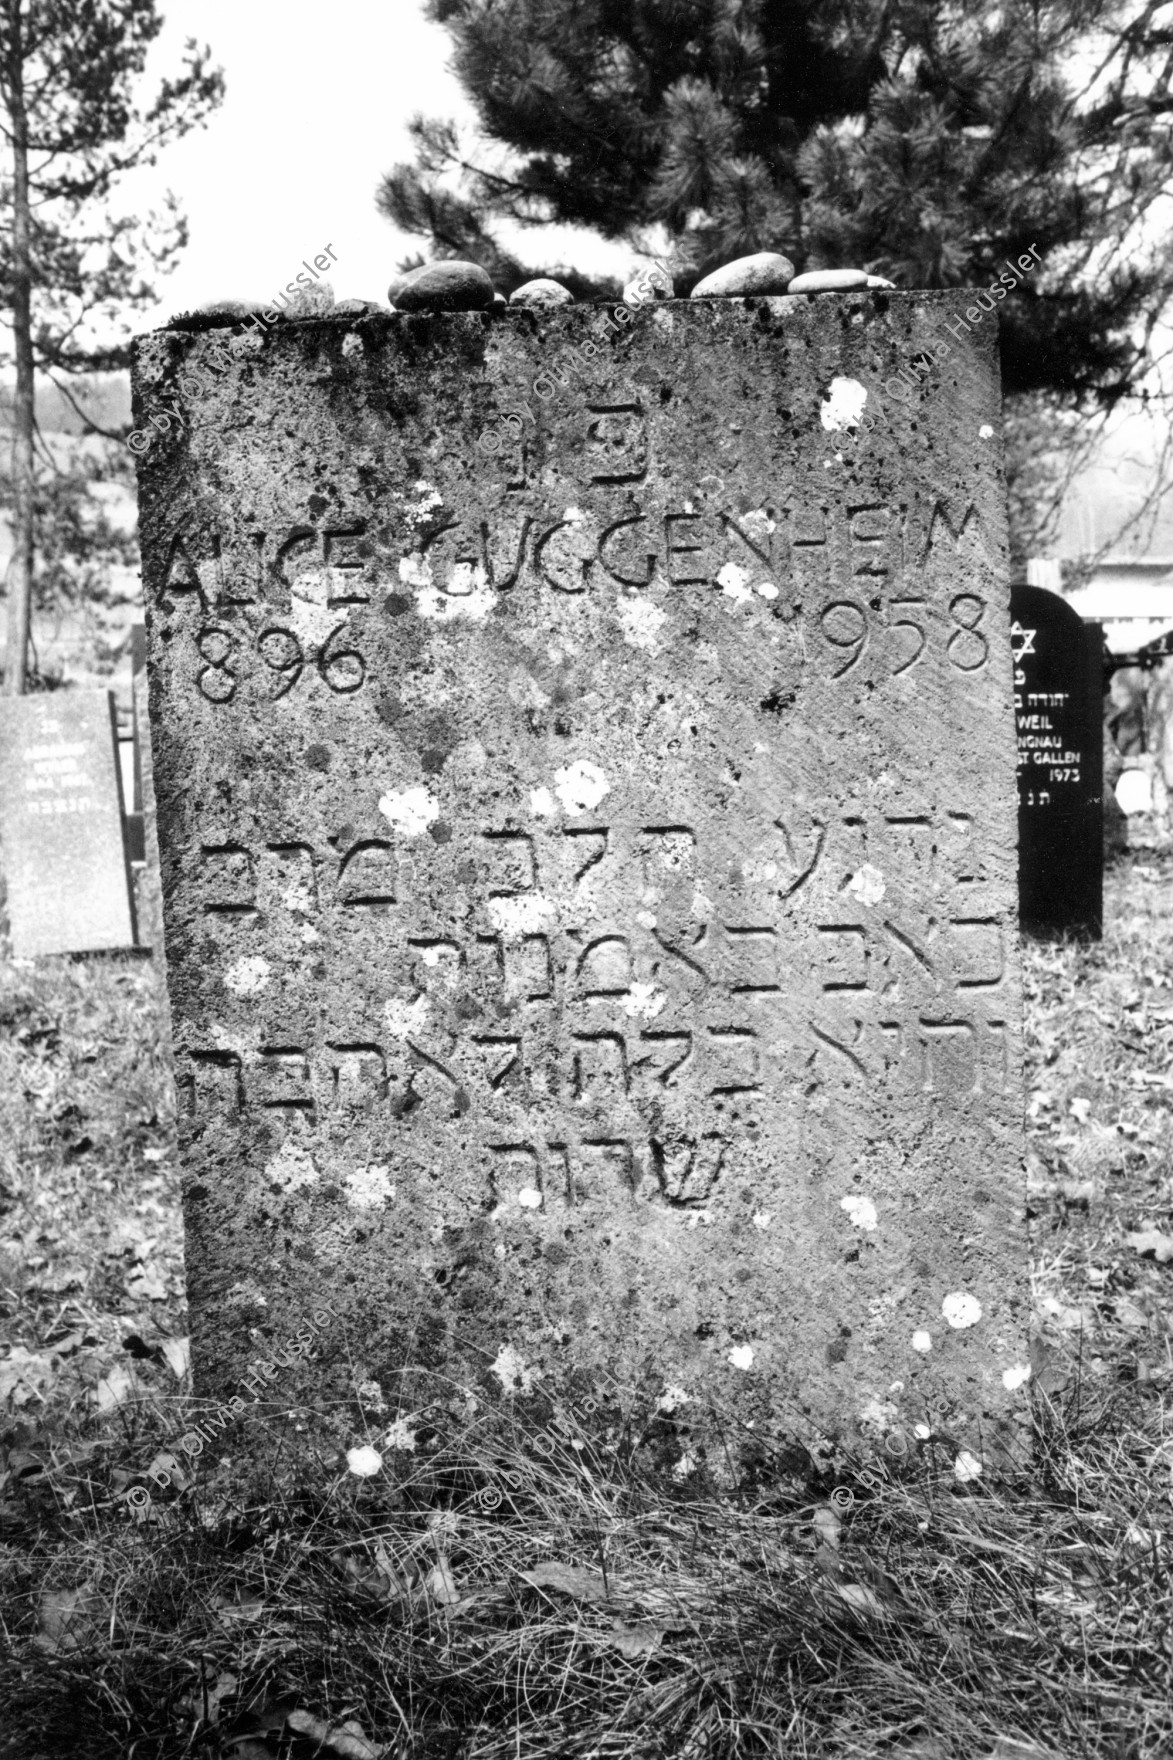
(1058, 701)
(62, 846)
(589, 871)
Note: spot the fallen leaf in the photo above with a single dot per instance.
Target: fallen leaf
(1151, 1240)
(570, 1579)
(114, 1388)
(347, 1739)
(147, 1285)
(23, 1374)
(204, 1701)
(441, 1584)
(827, 1522)
(70, 1618)
(641, 1639)
(861, 1599)
(178, 1354)
(1130, 1315)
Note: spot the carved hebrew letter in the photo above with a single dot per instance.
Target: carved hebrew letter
(282, 1080)
(952, 1064)
(617, 442)
(215, 1085)
(686, 1168)
(228, 875)
(358, 1075)
(366, 874)
(600, 1067)
(981, 957)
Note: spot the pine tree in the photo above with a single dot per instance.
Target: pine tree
(67, 68)
(919, 140)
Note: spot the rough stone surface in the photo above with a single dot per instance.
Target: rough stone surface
(541, 292)
(589, 872)
(443, 287)
(829, 281)
(765, 272)
(62, 848)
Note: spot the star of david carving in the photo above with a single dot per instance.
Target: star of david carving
(1025, 636)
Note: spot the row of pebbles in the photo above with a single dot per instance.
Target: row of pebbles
(455, 286)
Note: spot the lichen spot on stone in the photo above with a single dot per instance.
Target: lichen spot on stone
(961, 1309)
(291, 1168)
(966, 1467)
(641, 622)
(530, 1198)
(861, 1212)
(428, 499)
(922, 1341)
(351, 345)
(542, 803)
(1016, 1376)
(245, 977)
(985, 432)
(411, 811)
(369, 1188)
(467, 594)
(580, 786)
(868, 885)
(511, 1371)
(645, 1001)
(741, 1356)
(526, 913)
(402, 1018)
(762, 1218)
(842, 404)
(733, 581)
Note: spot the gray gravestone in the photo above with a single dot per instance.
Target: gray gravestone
(589, 865)
(61, 827)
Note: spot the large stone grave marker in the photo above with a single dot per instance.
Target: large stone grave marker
(1058, 700)
(589, 868)
(62, 846)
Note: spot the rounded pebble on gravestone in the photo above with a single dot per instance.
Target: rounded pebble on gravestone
(226, 308)
(764, 272)
(500, 303)
(828, 281)
(649, 284)
(541, 292)
(444, 287)
(350, 308)
(880, 281)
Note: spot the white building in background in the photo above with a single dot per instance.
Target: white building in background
(1131, 588)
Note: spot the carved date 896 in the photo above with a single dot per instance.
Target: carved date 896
(227, 660)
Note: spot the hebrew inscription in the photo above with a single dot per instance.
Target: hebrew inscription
(591, 862)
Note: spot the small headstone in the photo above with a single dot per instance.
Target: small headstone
(1058, 705)
(62, 843)
(589, 871)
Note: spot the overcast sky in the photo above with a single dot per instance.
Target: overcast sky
(316, 110)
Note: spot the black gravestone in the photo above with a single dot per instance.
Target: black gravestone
(1058, 703)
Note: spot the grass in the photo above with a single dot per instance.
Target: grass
(527, 1582)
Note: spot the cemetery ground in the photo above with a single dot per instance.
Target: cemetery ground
(519, 1581)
